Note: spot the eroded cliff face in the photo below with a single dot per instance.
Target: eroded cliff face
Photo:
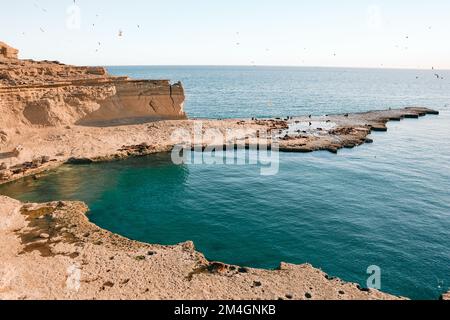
(138, 101)
(48, 93)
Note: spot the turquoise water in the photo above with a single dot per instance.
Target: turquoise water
(384, 204)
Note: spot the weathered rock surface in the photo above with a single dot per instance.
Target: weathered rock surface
(52, 251)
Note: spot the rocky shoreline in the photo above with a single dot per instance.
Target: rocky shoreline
(29, 151)
(52, 251)
(55, 114)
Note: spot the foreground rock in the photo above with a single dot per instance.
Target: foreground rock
(52, 251)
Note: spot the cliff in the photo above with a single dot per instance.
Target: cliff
(48, 93)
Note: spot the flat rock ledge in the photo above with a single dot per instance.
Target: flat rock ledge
(334, 132)
(27, 151)
(52, 251)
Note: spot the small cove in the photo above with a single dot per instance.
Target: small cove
(384, 204)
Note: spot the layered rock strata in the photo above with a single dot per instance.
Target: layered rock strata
(48, 93)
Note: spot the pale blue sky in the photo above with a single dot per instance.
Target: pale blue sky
(354, 33)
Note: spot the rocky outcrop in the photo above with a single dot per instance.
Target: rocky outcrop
(48, 93)
(7, 52)
(335, 132)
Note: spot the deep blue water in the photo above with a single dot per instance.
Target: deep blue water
(384, 204)
(234, 92)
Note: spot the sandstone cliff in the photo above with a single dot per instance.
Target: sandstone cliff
(48, 93)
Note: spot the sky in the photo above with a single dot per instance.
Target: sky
(345, 33)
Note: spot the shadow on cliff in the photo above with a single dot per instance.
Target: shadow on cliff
(6, 155)
(121, 122)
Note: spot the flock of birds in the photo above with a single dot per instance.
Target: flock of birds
(120, 34)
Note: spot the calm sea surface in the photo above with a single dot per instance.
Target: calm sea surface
(384, 204)
(234, 92)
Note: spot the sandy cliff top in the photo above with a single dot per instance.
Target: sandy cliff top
(15, 72)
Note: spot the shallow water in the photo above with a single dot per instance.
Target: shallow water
(384, 204)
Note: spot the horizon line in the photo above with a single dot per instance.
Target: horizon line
(274, 66)
(432, 68)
